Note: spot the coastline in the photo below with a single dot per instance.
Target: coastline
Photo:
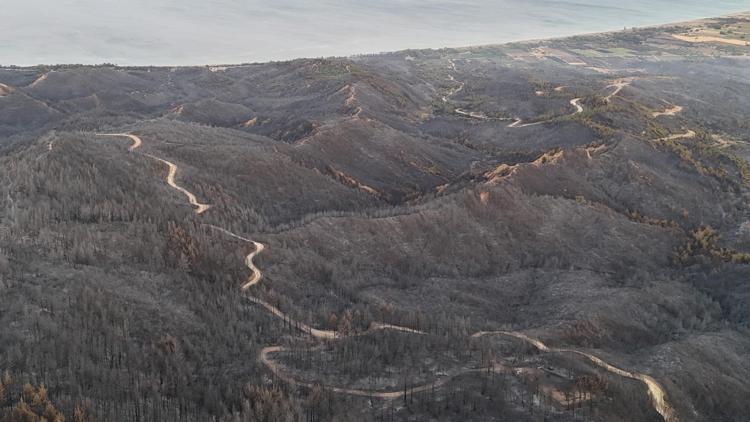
(693, 22)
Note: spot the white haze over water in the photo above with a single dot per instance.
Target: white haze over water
(196, 32)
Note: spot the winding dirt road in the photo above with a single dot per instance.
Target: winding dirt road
(255, 275)
(671, 111)
(388, 395)
(40, 79)
(576, 102)
(255, 278)
(686, 135)
(655, 390)
(137, 142)
(618, 85)
(517, 123)
(200, 208)
(5, 90)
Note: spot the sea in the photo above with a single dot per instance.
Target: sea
(202, 32)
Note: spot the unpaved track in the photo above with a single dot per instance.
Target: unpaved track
(5, 90)
(255, 278)
(255, 275)
(39, 79)
(388, 395)
(667, 112)
(137, 142)
(686, 135)
(618, 85)
(655, 390)
(576, 102)
(200, 207)
(517, 123)
(301, 326)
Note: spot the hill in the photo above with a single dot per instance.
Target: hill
(546, 230)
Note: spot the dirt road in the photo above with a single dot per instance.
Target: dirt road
(576, 102)
(5, 90)
(667, 112)
(200, 207)
(517, 123)
(137, 142)
(655, 390)
(388, 395)
(618, 85)
(686, 135)
(255, 275)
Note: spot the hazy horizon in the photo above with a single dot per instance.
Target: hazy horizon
(170, 32)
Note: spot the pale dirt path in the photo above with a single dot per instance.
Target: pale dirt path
(722, 142)
(301, 326)
(618, 85)
(256, 275)
(655, 390)
(40, 79)
(200, 207)
(457, 89)
(686, 135)
(255, 278)
(375, 326)
(473, 114)
(576, 102)
(388, 395)
(50, 145)
(5, 90)
(137, 142)
(517, 123)
(710, 39)
(668, 112)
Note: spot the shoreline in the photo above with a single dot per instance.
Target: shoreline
(740, 14)
(743, 14)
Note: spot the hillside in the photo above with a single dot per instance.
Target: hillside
(546, 230)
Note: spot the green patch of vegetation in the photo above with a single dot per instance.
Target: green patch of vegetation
(704, 241)
(686, 152)
(660, 222)
(739, 30)
(702, 153)
(708, 148)
(596, 105)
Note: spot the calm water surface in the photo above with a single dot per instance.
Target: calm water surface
(185, 32)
